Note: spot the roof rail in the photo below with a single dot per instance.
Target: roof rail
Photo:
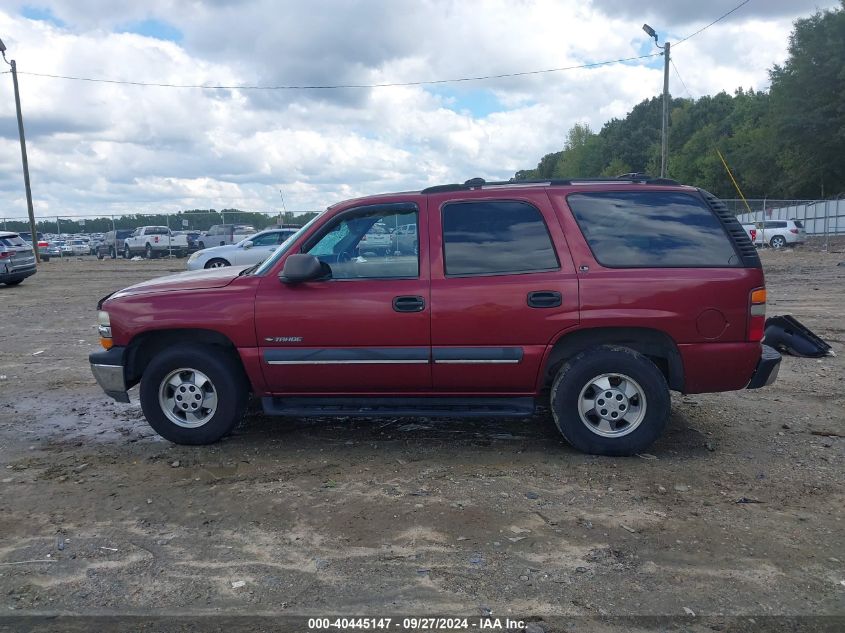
(478, 183)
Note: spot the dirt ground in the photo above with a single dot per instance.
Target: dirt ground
(736, 511)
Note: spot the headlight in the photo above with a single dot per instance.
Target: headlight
(104, 329)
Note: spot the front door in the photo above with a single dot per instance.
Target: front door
(503, 287)
(364, 330)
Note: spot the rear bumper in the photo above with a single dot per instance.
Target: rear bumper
(767, 368)
(16, 274)
(107, 368)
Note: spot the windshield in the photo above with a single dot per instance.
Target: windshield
(270, 261)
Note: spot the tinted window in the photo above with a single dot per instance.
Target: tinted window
(156, 230)
(265, 239)
(798, 224)
(651, 229)
(775, 225)
(495, 237)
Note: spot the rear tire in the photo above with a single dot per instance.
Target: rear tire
(149, 252)
(127, 254)
(777, 242)
(193, 394)
(625, 422)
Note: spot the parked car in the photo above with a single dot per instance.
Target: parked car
(112, 243)
(520, 294)
(223, 234)
(376, 241)
(17, 259)
(54, 249)
(776, 233)
(405, 239)
(252, 250)
(192, 237)
(43, 244)
(78, 247)
(154, 241)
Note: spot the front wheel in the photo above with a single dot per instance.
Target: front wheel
(778, 242)
(217, 262)
(610, 401)
(193, 395)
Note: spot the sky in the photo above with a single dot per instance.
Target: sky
(107, 148)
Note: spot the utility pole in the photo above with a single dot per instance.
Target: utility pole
(664, 138)
(23, 154)
(664, 133)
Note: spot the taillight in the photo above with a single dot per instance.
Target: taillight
(793, 231)
(757, 314)
(42, 244)
(5, 254)
(753, 234)
(156, 239)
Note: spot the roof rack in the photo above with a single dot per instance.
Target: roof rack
(478, 183)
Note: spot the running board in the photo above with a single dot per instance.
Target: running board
(404, 407)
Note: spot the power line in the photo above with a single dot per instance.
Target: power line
(339, 86)
(719, 19)
(681, 79)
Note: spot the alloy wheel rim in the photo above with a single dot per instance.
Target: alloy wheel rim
(612, 405)
(187, 397)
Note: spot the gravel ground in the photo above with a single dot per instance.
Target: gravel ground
(736, 511)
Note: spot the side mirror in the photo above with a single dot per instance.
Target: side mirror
(248, 244)
(301, 267)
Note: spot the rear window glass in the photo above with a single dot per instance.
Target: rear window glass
(156, 230)
(798, 224)
(496, 238)
(651, 229)
(12, 240)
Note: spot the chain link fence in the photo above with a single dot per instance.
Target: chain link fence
(820, 217)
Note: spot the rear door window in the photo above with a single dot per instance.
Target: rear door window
(496, 237)
(651, 229)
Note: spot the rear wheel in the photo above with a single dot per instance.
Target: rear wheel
(112, 253)
(778, 242)
(127, 254)
(193, 395)
(217, 262)
(610, 401)
(149, 252)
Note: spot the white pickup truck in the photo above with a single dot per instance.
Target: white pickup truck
(154, 241)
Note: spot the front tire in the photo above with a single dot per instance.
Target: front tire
(217, 262)
(127, 254)
(193, 394)
(610, 401)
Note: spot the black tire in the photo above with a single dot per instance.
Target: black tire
(45, 258)
(223, 372)
(149, 252)
(777, 242)
(574, 379)
(127, 254)
(112, 253)
(15, 282)
(217, 262)
(100, 256)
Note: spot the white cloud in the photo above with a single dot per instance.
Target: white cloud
(105, 148)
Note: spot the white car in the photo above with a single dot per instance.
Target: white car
(252, 250)
(776, 233)
(79, 247)
(377, 241)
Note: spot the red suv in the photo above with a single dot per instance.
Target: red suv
(594, 297)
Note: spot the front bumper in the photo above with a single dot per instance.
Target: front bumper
(107, 368)
(767, 368)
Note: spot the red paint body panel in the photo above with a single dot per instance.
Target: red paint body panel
(703, 310)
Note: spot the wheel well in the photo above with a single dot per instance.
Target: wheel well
(145, 346)
(653, 344)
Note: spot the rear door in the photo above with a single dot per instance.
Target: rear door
(503, 286)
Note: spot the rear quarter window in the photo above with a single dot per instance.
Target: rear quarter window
(651, 229)
(12, 240)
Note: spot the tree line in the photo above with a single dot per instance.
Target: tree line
(787, 142)
(193, 219)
